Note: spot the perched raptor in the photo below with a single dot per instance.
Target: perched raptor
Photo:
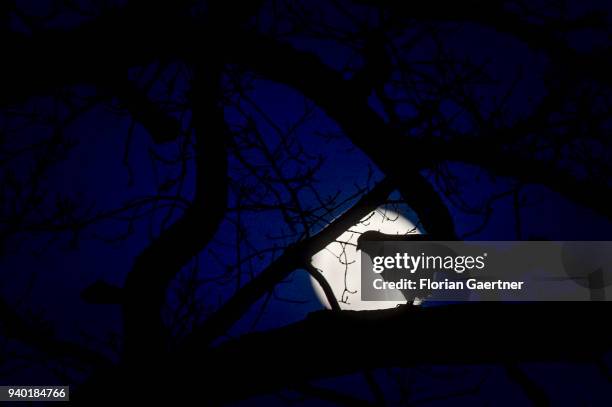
(370, 243)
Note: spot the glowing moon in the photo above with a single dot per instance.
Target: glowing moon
(340, 262)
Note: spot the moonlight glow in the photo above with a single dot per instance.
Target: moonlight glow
(340, 263)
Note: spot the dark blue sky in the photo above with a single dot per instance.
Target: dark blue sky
(51, 277)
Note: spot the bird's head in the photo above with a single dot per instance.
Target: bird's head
(369, 236)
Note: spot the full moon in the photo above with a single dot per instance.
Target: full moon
(340, 262)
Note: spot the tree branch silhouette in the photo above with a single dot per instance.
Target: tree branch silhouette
(219, 50)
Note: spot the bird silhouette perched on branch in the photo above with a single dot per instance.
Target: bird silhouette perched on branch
(374, 244)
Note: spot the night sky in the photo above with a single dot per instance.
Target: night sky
(98, 157)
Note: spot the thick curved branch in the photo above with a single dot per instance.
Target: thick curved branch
(398, 157)
(146, 285)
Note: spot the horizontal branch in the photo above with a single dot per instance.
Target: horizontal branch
(328, 344)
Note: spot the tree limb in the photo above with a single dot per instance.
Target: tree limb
(295, 256)
(146, 284)
(474, 333)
